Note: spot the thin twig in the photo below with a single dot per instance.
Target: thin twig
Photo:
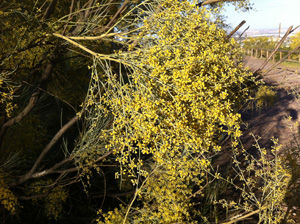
(103, 35)
(69, 17)
(244, 216)
(97, 55)
(50, 9)
(244, 31)
(121, 9)
(51, 94)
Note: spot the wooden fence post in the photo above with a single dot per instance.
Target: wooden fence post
(265, 53)
(280, 55)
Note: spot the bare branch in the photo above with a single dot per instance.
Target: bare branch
(32, 102)
(70, 170)
(280, 61)
(244, 31)
(51, 94)
(236, 29)
(50, 9)
(104, 35)
(276, 48)
(244, 216)
(47, 149)
(121, 9)
(97, 55)
(216, 1)
(69, 17)
(88, 10)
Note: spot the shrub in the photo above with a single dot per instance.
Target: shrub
(181, 90)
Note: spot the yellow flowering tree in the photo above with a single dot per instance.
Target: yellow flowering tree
(162, 115)
(166, 87)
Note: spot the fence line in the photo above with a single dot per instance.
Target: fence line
(264, 53)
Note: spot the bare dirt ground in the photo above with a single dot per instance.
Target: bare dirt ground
(272, 121)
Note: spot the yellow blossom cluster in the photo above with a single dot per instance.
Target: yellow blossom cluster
(161, 117)
(6, 94)
(56, 196)
(182, 94)
(7, 198)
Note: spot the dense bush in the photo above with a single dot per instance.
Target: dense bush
(166, 89)
(181, 92)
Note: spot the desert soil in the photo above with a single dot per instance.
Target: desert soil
(272, 121)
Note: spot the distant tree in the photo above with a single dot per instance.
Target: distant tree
(260, 43)
(295, 40)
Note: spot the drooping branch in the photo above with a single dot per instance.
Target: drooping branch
(55, 169)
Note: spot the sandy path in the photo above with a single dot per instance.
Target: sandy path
(272, 122)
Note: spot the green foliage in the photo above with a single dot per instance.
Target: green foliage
(219, 8)
(27, 137)
(289, 64)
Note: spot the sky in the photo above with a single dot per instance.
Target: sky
(268, 14)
